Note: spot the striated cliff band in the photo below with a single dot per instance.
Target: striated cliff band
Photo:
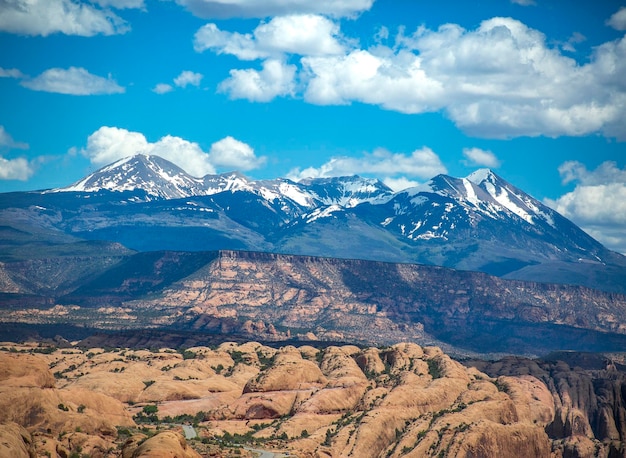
(339, 401)
(271, 297)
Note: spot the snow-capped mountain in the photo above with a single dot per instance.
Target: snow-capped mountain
(156, 176)
(480, 222)
(159, 178)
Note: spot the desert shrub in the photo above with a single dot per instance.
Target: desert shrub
(433, 369)
(188, 354)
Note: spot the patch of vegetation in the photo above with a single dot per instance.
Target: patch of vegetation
(434, 369)
(147, 415)
(265, 361)
(148, 383)
(186, 418)
(237, 357)
(188, 354)
(501, 386)
(63, 407)
(44, 350)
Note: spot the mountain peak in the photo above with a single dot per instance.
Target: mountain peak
(481, 175)
(153, 174)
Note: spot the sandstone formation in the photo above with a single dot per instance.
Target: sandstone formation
(167, 444)
(395, 401)
(15, 442)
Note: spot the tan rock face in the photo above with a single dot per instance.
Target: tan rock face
(167, 444)
(397, 401)
(16, 442)
(24, 371)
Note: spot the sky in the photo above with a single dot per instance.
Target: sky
(399, 90)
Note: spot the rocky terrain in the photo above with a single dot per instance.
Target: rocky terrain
(271, 297)
(399, 400)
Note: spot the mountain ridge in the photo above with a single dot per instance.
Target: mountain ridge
(480, 222)
(272, 296)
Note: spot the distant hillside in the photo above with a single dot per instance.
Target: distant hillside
(276, 297)
(480, 222)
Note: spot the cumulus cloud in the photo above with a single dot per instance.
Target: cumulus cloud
(187, 77)
(255, 8)
(294, 34)
(162, 88)
(524, 2)
(121, 4)
(10, 73)
(275, 79)
(400, 183)
(481, 158)
(13, 169)
(109, 144)
(73, 81)
(499, 80)
(231, 153)
(397, 168)
(618, 20)
(598, 202)
(70, 17)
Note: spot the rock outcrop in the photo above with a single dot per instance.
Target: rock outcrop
(167, 444)
(402, 400)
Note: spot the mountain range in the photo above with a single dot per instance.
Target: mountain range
(140, 244)
(480, 222)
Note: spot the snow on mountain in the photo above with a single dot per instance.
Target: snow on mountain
(159, 178)
(511, 198)
(156, 176)
(348, 191)
(480, 222)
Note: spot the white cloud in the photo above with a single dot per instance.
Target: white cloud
(15, 169)
(10, 73)
(121, 4)
(295, 34)
(7, 142)
(395, 82)
(261, 9)
(524, 2)
(275, 79)
(162, 88)
(618, 20)
(73, 81)
(499, 80)
(187, 77)
(109, 144)
(233, 154)
(45, 17)
(480, 157)
(598, 202)
(400, 183)
(398, 168)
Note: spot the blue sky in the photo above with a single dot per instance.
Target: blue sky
(399, 90)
